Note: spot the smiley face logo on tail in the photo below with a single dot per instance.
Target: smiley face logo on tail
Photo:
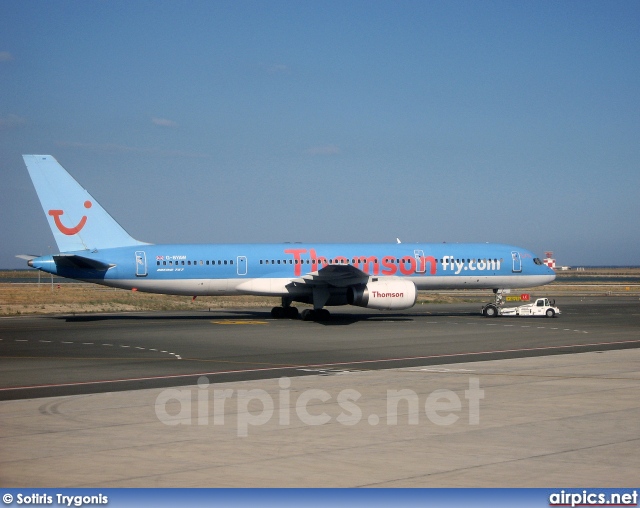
(65, 230)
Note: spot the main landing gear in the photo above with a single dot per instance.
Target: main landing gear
(286, 311)
(283, 312)
(315, 315)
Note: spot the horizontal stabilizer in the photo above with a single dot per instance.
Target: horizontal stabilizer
(27, 257)
(80, 263)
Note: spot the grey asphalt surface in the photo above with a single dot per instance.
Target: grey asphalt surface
(558, 404)
(44, 356)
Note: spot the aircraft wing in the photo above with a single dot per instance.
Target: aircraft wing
(334, 275)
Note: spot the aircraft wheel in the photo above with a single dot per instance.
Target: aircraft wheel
(291, 313)
(323, 315)
(490, 311)
(550, 313)
(308, 315)
(277, 312)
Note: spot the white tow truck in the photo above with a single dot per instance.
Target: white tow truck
(541, 307)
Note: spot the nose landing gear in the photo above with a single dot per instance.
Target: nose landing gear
(493, 309)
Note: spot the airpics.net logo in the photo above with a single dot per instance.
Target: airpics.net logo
(588, 498)
(243, 408)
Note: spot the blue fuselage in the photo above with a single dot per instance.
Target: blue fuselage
(273, 268)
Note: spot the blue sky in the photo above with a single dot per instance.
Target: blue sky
(238, 122)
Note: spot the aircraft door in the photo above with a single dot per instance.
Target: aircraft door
(421, 266)
(242, 265)
(141, 264)
(517, 262)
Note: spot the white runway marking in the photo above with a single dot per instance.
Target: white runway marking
(323, 365)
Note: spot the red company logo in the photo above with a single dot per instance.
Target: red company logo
(65, 230)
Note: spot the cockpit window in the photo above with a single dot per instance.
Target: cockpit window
(537, 261)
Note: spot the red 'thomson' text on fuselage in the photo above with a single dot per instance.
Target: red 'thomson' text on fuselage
(388, 265)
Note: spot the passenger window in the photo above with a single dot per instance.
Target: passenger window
(158, 263)
(231, 262)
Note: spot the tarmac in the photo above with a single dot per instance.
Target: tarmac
(554, 421)
(380, 401)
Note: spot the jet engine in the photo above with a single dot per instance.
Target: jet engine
(383, 295)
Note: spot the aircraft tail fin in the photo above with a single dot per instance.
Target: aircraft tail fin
(77, 220)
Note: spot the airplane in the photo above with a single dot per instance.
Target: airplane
(95, 248)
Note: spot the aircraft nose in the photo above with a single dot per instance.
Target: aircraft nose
(551, 273)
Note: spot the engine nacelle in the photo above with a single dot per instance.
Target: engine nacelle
(383, 295)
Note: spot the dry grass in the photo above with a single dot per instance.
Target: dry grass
(18, 299)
